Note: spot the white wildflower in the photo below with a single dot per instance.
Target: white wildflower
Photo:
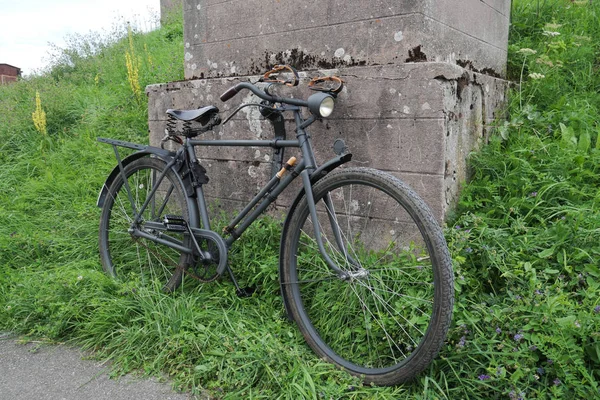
(536, 75)
(552, 26)
(545, 60)
(584, 38)
(550, 33)
(527, 51)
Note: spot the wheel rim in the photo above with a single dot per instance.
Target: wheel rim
(375, 320)
(133, 258)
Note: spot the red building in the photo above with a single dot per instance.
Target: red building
(8, 74)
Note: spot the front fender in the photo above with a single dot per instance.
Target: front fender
(314, 178)
(164, 155)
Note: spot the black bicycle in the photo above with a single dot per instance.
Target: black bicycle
(364, 268)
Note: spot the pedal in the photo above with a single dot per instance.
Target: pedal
(176, 228)
(175, 223)
(174, 219)
(245, 292)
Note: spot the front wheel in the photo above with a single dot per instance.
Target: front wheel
(385, 317)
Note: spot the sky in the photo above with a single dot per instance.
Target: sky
(28, 27)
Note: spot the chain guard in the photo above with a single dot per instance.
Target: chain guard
(208, 270)
(211, 270)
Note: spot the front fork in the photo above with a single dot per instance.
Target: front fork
(334, 227)
(308, 155)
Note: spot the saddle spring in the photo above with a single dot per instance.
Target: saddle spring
(171, 125)
(187, 127)
(171, 132)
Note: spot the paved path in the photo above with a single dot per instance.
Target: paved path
(42, 372)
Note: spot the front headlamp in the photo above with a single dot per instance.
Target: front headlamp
(321, 104)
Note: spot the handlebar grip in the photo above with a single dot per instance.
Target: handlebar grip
(232, 91)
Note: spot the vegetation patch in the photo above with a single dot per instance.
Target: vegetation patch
(525, 239)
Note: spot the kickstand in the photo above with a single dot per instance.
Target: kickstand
(240, 292)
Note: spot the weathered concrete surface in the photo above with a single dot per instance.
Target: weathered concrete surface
(418, 121)
(45, 372)
(423, 82)
(244, 37)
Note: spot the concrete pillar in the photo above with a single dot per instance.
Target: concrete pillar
(423, 81)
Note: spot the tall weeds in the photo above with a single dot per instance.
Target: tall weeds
(526, 237)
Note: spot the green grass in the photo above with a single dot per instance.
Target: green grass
(525, 238)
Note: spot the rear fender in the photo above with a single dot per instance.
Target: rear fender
(164, 155)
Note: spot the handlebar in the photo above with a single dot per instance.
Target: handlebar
(232, 91)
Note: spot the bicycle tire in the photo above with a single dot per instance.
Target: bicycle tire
(129, 258)
(385, 325)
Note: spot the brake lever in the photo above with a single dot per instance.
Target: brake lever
(313, 84)
(267, 78)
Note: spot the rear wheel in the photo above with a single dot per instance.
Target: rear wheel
(134, 258)
(386, 316)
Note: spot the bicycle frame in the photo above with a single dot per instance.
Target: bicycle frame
(391, 280)
(199, 224)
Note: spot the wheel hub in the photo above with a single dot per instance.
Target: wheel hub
(359, 274)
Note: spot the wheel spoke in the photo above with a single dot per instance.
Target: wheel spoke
(380, 312)
(130, 257)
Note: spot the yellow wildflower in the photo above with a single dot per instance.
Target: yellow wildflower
(39, 116)
(133, 68)
(148, 56)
